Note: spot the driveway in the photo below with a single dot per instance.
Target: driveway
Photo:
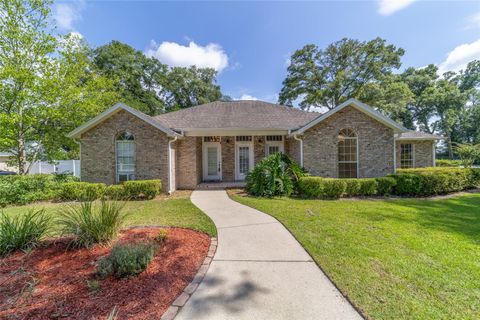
(259, 270)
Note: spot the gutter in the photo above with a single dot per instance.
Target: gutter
(295, 136)
(170, 186)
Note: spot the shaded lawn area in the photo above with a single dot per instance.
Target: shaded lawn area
(395, 259)
(177, 211)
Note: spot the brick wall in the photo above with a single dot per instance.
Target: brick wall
(292, 149)
(423, 153)
(189, 162)
(98, 150)
(375, 145)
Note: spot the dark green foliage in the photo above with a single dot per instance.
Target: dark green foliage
(310, 187)
(368, 187)
(352, 187)
(22, 232)
(407, 184)
(81, 191)
(142, 189)
(126, 260)
(385, 185)
(91, 223)
(115, 192)
(18, 189)
(317, 187)
(333, 188)
(275, 175)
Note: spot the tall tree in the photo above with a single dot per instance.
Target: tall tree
(152, 87)
(325, 78)
(44, 91)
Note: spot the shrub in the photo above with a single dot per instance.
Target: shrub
(81, 191)
(368, 187)
(352, 188)
(18, 189)
(142, 189)
(385, 185)
(90, 223)
(317, 187)
(115, 192)
(275, 175)
(448, 163)
(407, 184)
(22, 232)
(126, 260)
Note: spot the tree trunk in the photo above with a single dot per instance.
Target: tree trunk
(21, 156)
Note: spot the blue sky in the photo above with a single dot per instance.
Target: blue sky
(249, 43)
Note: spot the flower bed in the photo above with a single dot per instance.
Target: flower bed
(59, 282)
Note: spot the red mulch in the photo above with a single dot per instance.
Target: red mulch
(51, 282)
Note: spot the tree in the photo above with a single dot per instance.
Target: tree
(468, 153)
(152, 87)
(325, 78)
(46, 88)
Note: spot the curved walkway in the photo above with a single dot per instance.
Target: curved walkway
(259, 270)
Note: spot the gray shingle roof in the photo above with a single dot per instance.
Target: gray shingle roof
(248, 114)
(417, 135)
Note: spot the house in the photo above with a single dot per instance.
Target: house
(222, 141)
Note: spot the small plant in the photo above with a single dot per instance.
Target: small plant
(161, 236)
(94, 286)
(126, 260)
(22, 232)
(91, 223)
(142, 189)
(81, 191)
(468, 153)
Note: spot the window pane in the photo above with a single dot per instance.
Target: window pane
(347, 154)
(212, 161)
(244, 160)
(273, 149)
(125, 160)
(406, 155)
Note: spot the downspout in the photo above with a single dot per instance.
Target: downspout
(301, 148)
(394, 154)
(433, 153)
(170, 186)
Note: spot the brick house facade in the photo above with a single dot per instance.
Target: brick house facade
(222, 141)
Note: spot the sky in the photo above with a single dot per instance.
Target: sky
(249, 43)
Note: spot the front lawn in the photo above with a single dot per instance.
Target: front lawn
(175, 211)
(395, 259)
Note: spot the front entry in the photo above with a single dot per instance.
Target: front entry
(243, 159)
(212, 163)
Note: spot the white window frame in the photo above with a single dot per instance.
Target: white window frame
(357, 151)
(130, 174)
(279, 144)
(413, 155)
(239, 144)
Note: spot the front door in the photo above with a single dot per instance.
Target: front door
(212, 168)
(243, 159)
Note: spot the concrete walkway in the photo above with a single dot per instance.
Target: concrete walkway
(259, 270)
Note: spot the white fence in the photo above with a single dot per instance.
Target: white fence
(59, 166)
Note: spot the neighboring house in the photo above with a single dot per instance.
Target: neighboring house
(222, 141)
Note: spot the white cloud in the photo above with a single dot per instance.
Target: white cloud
(388, 7)
(474, 21)
(66, 14)
(173, 54)
(458, 58)
(247, 97)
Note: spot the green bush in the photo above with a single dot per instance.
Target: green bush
(368, 187)
(18, 189)
(142, 189)
(317, 187)
(22, 232)
(352, 188)
(385, 185)
(275, 175)
(126, 260)
(115, 192)
(81, 191)
(91, 223)
(448, 163)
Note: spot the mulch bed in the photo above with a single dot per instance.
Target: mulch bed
(55, 282)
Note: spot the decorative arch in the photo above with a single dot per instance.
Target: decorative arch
(347, 145)
(125, 156)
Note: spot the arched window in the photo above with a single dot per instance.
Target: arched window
(125, 161)
(347, 154)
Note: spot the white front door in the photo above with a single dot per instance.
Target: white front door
(212, 163)
(243, 159)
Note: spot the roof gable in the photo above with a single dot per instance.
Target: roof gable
(359, 106)
(113, 110)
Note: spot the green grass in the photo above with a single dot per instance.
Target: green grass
(395, 259)
(178, 212)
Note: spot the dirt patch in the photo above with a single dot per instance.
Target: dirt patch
(55, 282)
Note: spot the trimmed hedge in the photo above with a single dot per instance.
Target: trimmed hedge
(24, 189)
(448, 163)
(129, 190)
(407, 182)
